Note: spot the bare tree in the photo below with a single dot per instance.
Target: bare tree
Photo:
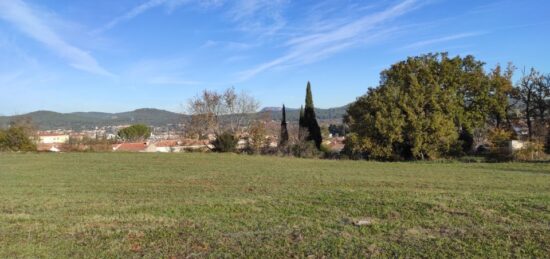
(214, 112)
(542, 97)
(239, 108)
(257, 136)
(526, 89)
(204, 110)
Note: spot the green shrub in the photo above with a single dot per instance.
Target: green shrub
(2, 140)
(499, 150)
(306, 149)
(16, 139)
(225, 142)
(499, 137)
(466, 142)
(531, 152)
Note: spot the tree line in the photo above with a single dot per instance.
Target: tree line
(425, 107)
(229, 117)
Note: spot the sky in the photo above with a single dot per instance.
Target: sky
(114, 56)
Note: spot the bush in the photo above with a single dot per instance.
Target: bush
(352, 148)
(466, 141)
(16, 139)
(500, 154)
(306, 149)
(531, 152)
(88, 145)
(3, 146)
(499, 137)
(225, 142)
(257, 138)
(499, 150)
(482, 150)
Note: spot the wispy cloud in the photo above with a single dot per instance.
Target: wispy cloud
(27, 21)
(263, 17)
(321, 44)
(251, 15)
(442, 39)
(140, 9)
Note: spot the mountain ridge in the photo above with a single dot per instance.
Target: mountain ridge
(49, 120)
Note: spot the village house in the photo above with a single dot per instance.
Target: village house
(163, 146)
(52, 138)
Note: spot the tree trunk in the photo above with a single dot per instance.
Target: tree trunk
(529, 124)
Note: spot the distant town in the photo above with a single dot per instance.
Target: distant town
(167, 139)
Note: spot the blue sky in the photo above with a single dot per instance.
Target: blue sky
(112, 56)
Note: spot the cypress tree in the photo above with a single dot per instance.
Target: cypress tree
(301, 124)
(284, 130)
(310, 120)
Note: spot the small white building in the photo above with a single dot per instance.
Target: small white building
(53, 138)
(163, 146)
(516, 145)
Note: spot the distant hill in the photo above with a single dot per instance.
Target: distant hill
(47, 120)
(88, 120)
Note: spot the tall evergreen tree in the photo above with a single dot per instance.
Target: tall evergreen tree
(301, 124)
(284, 130)
(310, 120)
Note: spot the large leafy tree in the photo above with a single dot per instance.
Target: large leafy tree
(420, 107)
(310, 120)
(503, 96)
(136, 132)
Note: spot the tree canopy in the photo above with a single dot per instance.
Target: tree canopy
(423, 104)
(138, 132)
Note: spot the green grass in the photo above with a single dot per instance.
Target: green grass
(209, 205)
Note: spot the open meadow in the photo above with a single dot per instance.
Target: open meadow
(224, 205)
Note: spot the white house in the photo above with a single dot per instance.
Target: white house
(53, 138)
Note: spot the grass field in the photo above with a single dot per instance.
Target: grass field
(210, 205)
